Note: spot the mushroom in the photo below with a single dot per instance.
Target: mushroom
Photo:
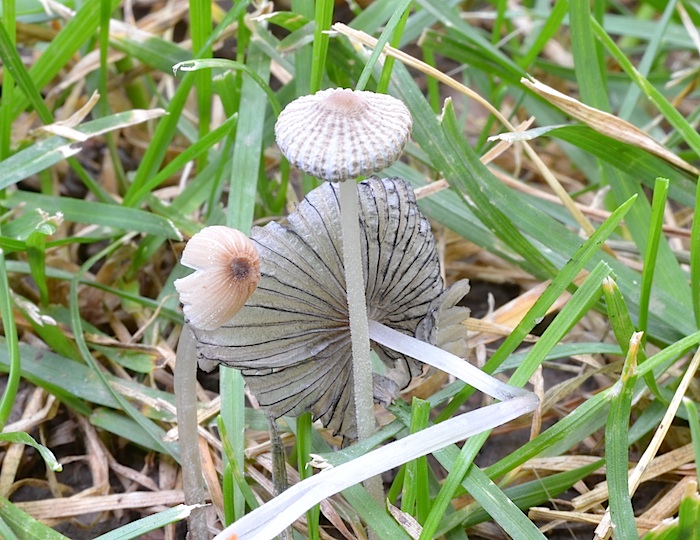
(227, 272)
(292, 339)
(337, 135)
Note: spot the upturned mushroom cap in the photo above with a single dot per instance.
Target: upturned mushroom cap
(292, 338)
(338, 134)
(227, 272)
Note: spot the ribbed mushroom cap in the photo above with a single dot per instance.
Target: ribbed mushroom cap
(227, 272)
(292, 338)
(339, 134)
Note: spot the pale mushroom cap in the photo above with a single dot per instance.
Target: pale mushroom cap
(227, 272)
(339, 134)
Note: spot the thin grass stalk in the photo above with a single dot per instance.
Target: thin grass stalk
(304, 447)
(388, 32)
(385, 77)
(655, 229)
(234, 471)
(323, 17)
(691, 409)
(616, 446)
(201, 28)
(8, 84)
(695, 259)
(10, 331)
(416, 496)
(105, 16)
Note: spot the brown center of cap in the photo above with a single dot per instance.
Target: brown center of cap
(345, 102)
(240, 268)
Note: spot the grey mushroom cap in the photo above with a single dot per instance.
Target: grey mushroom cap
(340, 134)
(291, 340)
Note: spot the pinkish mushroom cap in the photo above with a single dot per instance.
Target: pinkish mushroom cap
(227, 272)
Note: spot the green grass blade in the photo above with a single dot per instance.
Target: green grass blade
(655, 229)
(12, 344)
(526, 495)
(59, 52)
(304, 433)
(695, 260)
(323, 17)
(388, 32)
(150, 523)
(24, 525)
(11, 59)
(8, 83)
(106, 215)
(383, 85)
(689, 514)
(416, 497)
(616, 445)
(200, 29)
(54, 149)
(694, 424)
(550, 27)
(26, 439)
(650, 54)
(133, 198)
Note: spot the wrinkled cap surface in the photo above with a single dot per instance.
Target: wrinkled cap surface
(338, 134)
(291, 340)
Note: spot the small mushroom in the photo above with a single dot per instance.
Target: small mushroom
(339, 134)
(227, 272)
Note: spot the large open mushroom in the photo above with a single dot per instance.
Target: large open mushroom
(292, 339)
(338, 135)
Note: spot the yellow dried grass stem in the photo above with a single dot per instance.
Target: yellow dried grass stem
(76, 506)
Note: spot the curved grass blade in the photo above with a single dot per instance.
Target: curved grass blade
(149, 523)
(26, 439)
(107, 215)
(25, 526)
(50, 151)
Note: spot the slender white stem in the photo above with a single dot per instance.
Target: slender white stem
(357, 307)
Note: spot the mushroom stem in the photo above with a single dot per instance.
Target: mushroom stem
(357, 308)
(186, 401)
(359, 333)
